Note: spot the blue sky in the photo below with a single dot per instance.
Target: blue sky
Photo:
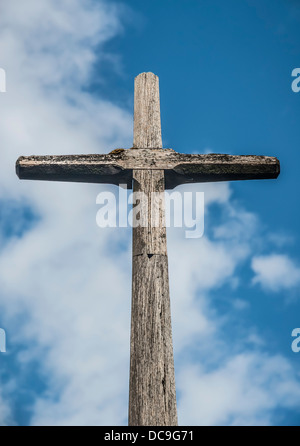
(225, 87)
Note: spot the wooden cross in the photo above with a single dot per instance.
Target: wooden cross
(148, 168)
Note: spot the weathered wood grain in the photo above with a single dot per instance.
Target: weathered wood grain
(74, 168)
(117, 168)
(152, 395)
(150, 239)
(147, 124)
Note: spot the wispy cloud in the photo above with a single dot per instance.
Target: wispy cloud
(275, 272)
(59, 269)
(5, 412)
(243, 390)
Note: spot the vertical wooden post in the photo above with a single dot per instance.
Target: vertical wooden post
(152, 395)
(146, 123)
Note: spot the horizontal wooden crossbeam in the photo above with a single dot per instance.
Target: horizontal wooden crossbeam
(116, 167)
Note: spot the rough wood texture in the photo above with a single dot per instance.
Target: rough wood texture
(147, 125)
(117, 168)
(152, 395)
(152, 398)
(150, 239)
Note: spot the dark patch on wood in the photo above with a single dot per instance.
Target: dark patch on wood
(116, 151)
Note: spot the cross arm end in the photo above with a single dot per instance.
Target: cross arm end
(74, 168)
(216, 167)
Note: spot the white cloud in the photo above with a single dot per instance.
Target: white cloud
(244, 390)
(275, 272)
(5, 412)
(62, 273)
